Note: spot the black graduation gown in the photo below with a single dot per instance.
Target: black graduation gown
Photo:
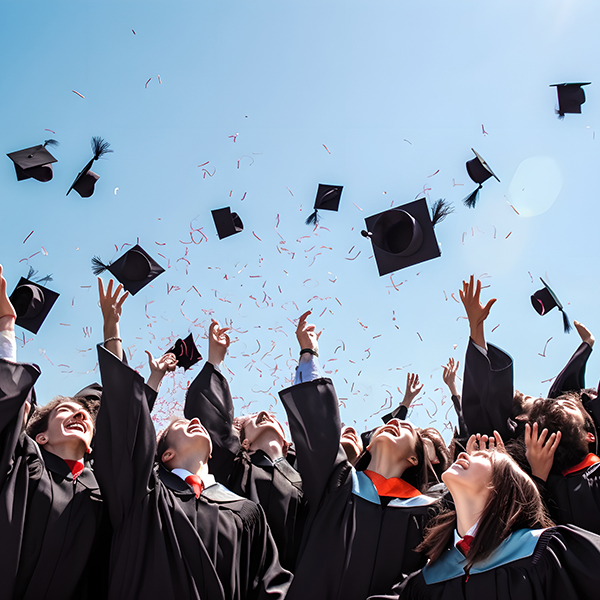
(166, 543)
(51, 539)
(354, 544)
(562, 566)
(572, 377)
(277, 487)
(575, 498)
(487, 393)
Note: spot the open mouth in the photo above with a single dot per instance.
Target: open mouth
(76, 426)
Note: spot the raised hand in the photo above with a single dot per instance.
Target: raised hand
(540, 450)
(477, 313)
(111, 306)
(306, 334)
(584, 333)
(484, 442)
(218, 343)
(413, 388)
(449, 375)
(159, 368)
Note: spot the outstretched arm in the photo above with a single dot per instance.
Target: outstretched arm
(112, 306)
(477, 313)
(8, 345)
(449, 377)
(308, 339)
(413, 389)
(159, 368)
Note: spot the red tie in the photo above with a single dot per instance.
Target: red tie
(75, 466)
(464, 544)
(197, 484)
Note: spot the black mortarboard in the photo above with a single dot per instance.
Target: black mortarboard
(570, 97)
(91, 392)
(227, 222)
(328, 198)
(403, 236)
(135, 269)
(86, 180)
(35, 162)
(479, 171)
(186, 352)
(32, 303)
(545, 300)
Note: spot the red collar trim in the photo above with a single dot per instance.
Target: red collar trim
(394, 487)
(588, 461)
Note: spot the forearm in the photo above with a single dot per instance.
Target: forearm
(477, 334)
(8, 344)
(112, 339)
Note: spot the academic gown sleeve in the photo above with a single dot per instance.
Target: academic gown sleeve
(314, 421)
(209, 399)
(16, 384)
(399, 412)
(572, 377)
(488, 391)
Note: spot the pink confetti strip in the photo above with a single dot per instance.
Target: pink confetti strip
(28, 237)
(243, 196)
(50, 130)
(147, 82)
(254, 234)
(288, 189)
(495, 327)
(80, 95)
(419, 336)
(326, 148)
(428, 176)
(203, 164)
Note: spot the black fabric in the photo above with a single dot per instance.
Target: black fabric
(277, 487)
(572, 377)
(487, 397)
(168, 544)
(52, 534)
(399, 412)
(561, 568)
(351, 548)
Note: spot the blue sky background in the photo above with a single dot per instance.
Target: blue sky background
(384, 98)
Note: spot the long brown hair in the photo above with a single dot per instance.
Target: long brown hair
(514, 503)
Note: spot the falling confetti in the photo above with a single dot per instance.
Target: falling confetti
(326, 148)
(80, 95)
(28, 237)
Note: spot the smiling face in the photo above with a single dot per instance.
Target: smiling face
(574, 410)
(68, 424)
(259, 425)
(398, 435)
(184, 439)
(471, 473)
(351, 443)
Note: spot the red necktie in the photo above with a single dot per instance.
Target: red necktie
(464, 544)
(197, 484)
(75, 466)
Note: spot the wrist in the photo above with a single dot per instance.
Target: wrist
(7, 323)
(309, 351)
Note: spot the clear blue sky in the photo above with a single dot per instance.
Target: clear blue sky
(384, 98)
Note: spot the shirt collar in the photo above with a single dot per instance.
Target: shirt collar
(588, 461)
(207, 478)
(471, 532)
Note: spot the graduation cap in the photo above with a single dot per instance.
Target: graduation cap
(479, 171)
(545, 300)
(86, 180)
(227, 222)
(91, 392)
(35, 162)
(32, 303)
(135, 269)
(404, 235)
(186, 352)
(570, 97)
(328, 198)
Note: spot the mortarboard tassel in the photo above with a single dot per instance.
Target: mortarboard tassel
(51, 143)
(312, 219)
(440, 210)
(99, 147)
(32, 273)
(98, 266)
(471, 199)
(561, 115)
(566, 323)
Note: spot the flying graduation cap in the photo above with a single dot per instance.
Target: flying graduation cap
(403, 236)
(86, 180)
(479, 171)
(545, 300)
(227, 222)
(328, 198)
(186, 352)
(570, 97)
(135, 269)
(32, 303)
(35, 162)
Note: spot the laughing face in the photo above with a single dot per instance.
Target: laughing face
(351, 443)
(68, 424)
(189, 437)
(257, 426)
(396, 434)
(470, 472)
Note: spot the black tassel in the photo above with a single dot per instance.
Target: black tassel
(31, 273)
(566, 323)
(98, 266)
(312, 219)
(471, 199)
(561, 115)
(46, 279)
(440, 210)
(51, 143)
(99, 147)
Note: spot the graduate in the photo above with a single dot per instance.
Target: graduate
(250, 455)
(51, 511)
(499, 543)
(177, 534)
(559, 438)
(362, 527)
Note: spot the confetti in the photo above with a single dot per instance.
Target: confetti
(513, 207)
(50, 130)
(288, 189)
(428, 176)
(495, 327)
(147, 82)
(407, 141)
(116, 190)
(133, 30)
(357, 206)
(243, 196)
(454, 184)
(419, 336)
(28, 237)
(254, 234)
(159, 80)
(326, 148)
(508, 235)
(543, 354)
(483, 130)
(80, 95)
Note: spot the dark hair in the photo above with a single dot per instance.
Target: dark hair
(441, 451)
(39, 420)
(514, 503)
(239, 428)
(162, 444)
(550, 415)
(415, 475)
